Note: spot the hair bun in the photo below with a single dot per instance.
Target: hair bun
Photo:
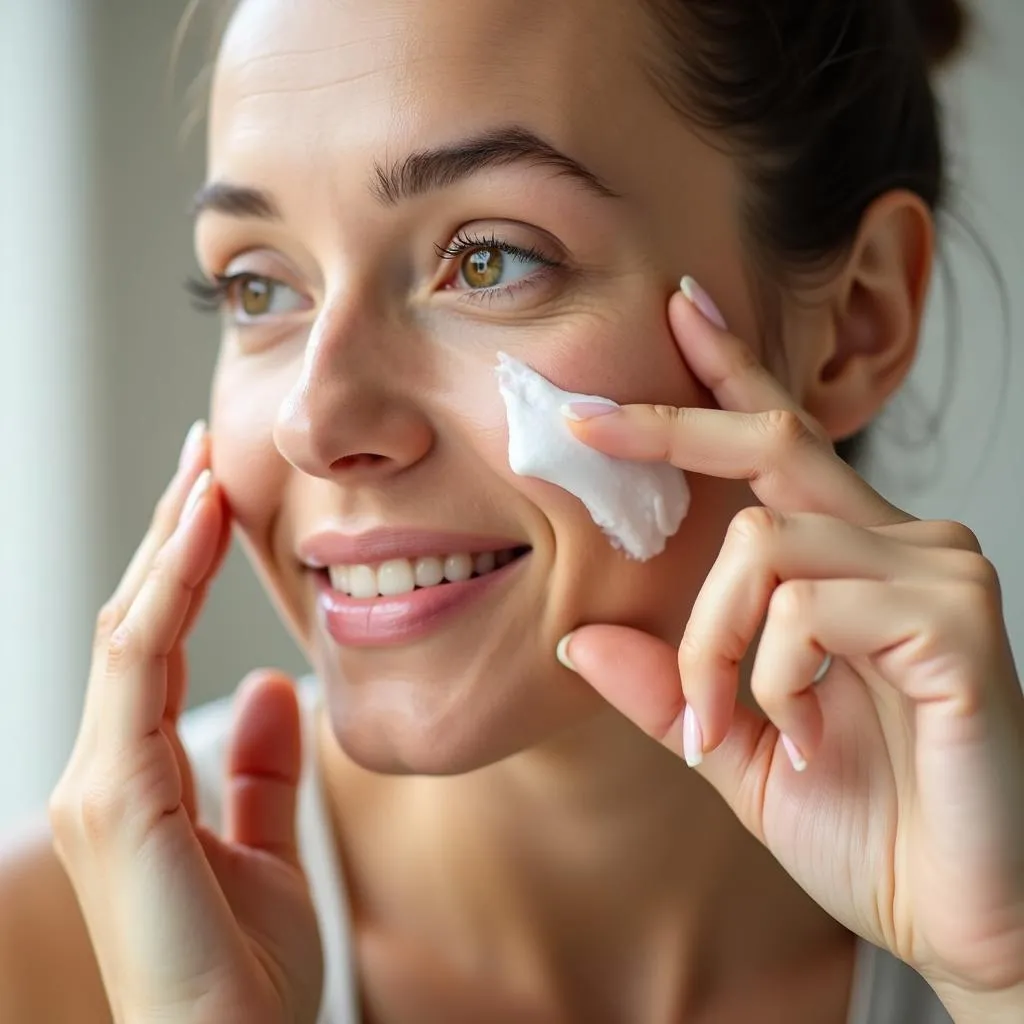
(944, 26)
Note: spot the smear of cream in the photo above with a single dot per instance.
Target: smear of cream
(638, 505)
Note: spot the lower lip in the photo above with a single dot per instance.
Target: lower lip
(393, 621)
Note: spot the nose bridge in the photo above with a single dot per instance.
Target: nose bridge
(339, 350)
(352, 404)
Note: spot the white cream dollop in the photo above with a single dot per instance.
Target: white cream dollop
(638, 505)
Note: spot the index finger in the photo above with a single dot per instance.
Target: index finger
(787, 467)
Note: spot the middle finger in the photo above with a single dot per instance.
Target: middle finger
(761, 550)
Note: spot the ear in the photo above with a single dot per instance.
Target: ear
(875, 316)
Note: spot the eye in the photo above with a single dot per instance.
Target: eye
(494, 267)
(491, 266)
(245, 297)
(252, 297)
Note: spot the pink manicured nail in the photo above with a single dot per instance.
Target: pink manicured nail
(796, 759)
(562, 652)
(580, 411)
(703, 302)
(693, 738)
(192, 439)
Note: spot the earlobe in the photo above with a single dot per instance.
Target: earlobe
(877, 313)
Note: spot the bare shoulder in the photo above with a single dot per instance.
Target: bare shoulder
(47, 968)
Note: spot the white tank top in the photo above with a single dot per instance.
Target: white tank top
(885, 990)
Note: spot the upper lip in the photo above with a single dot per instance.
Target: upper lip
(330, 547)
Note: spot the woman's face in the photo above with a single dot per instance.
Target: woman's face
(427, 183)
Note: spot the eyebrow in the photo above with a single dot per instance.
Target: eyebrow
(235, 201)
(424, 171)
(432, 169)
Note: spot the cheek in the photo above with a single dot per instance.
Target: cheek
(629, 357)
(245, 460)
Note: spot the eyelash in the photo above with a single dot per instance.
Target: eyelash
(210, 296)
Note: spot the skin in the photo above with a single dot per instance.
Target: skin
(515, 846)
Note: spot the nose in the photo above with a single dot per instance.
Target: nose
(352, 413)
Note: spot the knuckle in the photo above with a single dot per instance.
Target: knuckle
(976, 571)
(791, 600)
(108, 619)
(672, 419)
(763, 692)
(98, 811)
(745, 362)
(754, 526)
(670, 414)
(983, 598)
(689, 656)
(958, 536)
(163, 565)
(120, 650)
(961, 610)
(786, 432)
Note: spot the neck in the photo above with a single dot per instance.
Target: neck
(614, 812)
(598, 855)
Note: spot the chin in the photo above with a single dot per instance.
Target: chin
(406, 727)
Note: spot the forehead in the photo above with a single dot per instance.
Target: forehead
(356, 75)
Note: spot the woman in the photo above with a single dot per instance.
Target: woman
(448, 824)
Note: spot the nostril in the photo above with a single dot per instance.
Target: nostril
(364, 460)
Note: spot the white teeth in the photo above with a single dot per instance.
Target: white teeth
(362, 582)
(484, 563)
(395, 578)
(429, 571)
(458, 568)
(400, 576)
(339, 575)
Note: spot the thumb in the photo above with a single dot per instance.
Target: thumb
(635, 672)
(638, 674)
(264, 765)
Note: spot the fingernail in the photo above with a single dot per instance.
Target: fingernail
(580, 411)
(192, 439)
(562, 652)
(796, 759)
(199, 488)
(700, 298)
(693, 738)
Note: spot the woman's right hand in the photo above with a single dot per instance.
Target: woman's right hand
(187, 927)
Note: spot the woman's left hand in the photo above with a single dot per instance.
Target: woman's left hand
(892, 789)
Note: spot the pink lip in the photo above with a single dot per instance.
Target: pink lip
(375, 546)
(394, 621)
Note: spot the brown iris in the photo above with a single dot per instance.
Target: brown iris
(254, 295)
(482, 267)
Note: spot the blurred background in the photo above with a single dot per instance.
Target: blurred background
(105, 365)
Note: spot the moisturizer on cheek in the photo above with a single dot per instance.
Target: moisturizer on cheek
(638, 505)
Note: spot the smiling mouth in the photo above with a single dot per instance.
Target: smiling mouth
(397, 577)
